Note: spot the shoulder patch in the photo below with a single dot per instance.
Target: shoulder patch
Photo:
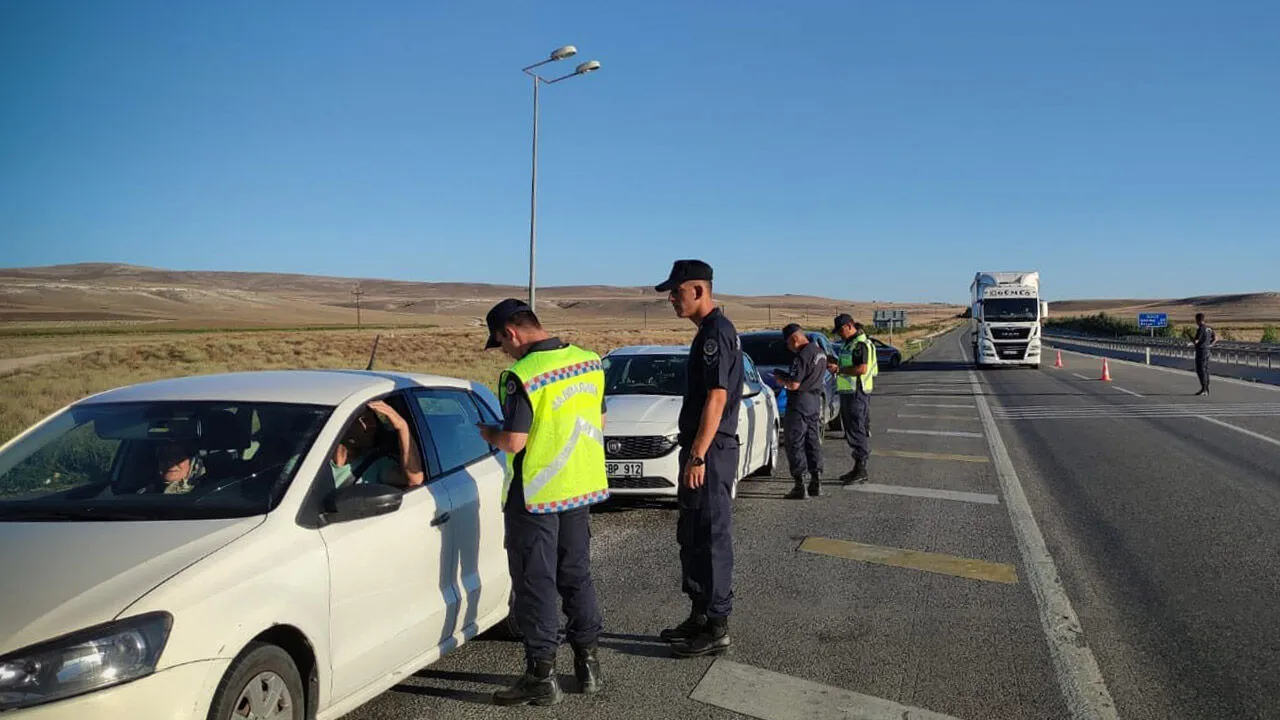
(710, 347)
(512, 386)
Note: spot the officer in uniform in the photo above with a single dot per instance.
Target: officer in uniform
(803, 421)
(855, 372)
(708, 427)
(553, 433)
(1205, 338)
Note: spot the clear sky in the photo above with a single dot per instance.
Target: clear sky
(1121, 148)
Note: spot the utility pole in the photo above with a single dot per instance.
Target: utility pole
(358, 292)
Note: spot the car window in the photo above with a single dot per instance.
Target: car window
(752, 384)
(663, 374)
(451, 416)
(768, 349)
(157, 461)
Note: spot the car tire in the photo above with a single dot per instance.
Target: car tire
(261, 671)
(895, 361)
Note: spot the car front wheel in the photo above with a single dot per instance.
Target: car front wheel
(263, 684)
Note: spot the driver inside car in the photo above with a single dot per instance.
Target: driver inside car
(178, 467)
(358, 459)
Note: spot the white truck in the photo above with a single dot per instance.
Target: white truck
(1006, 313)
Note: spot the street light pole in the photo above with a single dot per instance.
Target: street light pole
(558, 54)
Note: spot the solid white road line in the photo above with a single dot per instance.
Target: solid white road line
(981, 498)
(937, 417)
(1117, 387)
(767, 695)
(1250, 433)
(943, 433)
(1082, 684)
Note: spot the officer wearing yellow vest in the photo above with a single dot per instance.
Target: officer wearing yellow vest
(855, 373)
(553, 434)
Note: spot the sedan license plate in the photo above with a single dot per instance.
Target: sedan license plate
(624, 470)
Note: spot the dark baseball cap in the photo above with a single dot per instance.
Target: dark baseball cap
(789, 329)
(684, 271)
(843, 319)
(498, 317)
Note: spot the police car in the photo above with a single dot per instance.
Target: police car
(180, 549)
(644, 386)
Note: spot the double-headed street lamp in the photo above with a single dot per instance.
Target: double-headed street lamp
(590, 66)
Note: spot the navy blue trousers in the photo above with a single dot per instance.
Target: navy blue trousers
(550, 559)
(704, 531)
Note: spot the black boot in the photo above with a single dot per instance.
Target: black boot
(797, 492)
(860, 471)
(815, 485)
(538, 686)
(848, 478)
(685, 630)
(586, 667)
(713, 640)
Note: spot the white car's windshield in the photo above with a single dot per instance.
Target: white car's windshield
(645, 375)
(156, 461)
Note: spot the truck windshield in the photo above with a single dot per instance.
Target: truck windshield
(1010, 310)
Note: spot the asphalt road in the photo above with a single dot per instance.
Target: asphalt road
(1161, 524)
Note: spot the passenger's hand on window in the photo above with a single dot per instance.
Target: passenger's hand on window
(388, 413)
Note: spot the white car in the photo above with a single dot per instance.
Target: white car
(644, 387)
(249, 586)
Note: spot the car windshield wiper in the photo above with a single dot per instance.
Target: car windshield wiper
(49, 514)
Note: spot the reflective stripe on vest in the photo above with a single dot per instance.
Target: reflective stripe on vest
(845, 383)
(562, 465)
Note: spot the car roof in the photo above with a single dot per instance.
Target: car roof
(650, 350)
(312, 387)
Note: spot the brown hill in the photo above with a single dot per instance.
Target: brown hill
(115, 293)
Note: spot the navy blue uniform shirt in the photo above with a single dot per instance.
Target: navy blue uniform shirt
(715, 361)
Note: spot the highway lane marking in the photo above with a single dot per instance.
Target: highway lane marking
(930, 456)
(1119, 412)
(1117, 387)
(937, 417)
(1179, 371)
(1079, 677)
(943, 433)
(940, 405)
(973, 497)
(1082, 377)
(1246, 431)
(912, 559)
(768, 695)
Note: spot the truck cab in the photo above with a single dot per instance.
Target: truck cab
(1006, 316)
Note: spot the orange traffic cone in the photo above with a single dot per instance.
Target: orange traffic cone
(1058, 363)
(1106, 371)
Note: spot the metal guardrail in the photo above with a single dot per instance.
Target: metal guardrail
(1259, 355)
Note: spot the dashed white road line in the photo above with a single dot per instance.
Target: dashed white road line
(937, 417)
(1079, 677)
(1082, 377)
(940, 405)
(1250, 433)
(943, 433)
(1117, 387)
(973, 497)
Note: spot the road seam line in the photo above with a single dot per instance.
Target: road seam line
(943, 433)
(1246, 431)
(1080, 679)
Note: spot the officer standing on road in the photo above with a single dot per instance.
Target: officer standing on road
(553, 433)
(708, 427)
(855, 373)
(1205, 339)
(802, 424)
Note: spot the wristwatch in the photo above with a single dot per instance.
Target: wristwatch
(696, 461)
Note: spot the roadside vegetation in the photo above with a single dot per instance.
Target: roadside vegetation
(1106, 325)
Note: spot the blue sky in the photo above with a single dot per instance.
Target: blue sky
(1122, 149)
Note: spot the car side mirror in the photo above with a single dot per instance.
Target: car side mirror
(359, 501)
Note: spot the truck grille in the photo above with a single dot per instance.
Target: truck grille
(1011, 351)
(1010, 333)
(644, 483)
(637, 447)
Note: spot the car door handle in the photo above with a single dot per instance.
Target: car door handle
(439, 520)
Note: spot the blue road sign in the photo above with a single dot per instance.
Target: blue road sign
(1153, 320)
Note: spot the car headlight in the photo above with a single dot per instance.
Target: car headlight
(85, 661)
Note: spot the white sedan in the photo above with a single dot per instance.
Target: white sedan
(644, 386)
(228, 546)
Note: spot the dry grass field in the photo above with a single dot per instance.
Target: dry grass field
(29, 393)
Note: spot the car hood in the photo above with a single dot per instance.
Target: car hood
(647, 410)
(65, 576)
